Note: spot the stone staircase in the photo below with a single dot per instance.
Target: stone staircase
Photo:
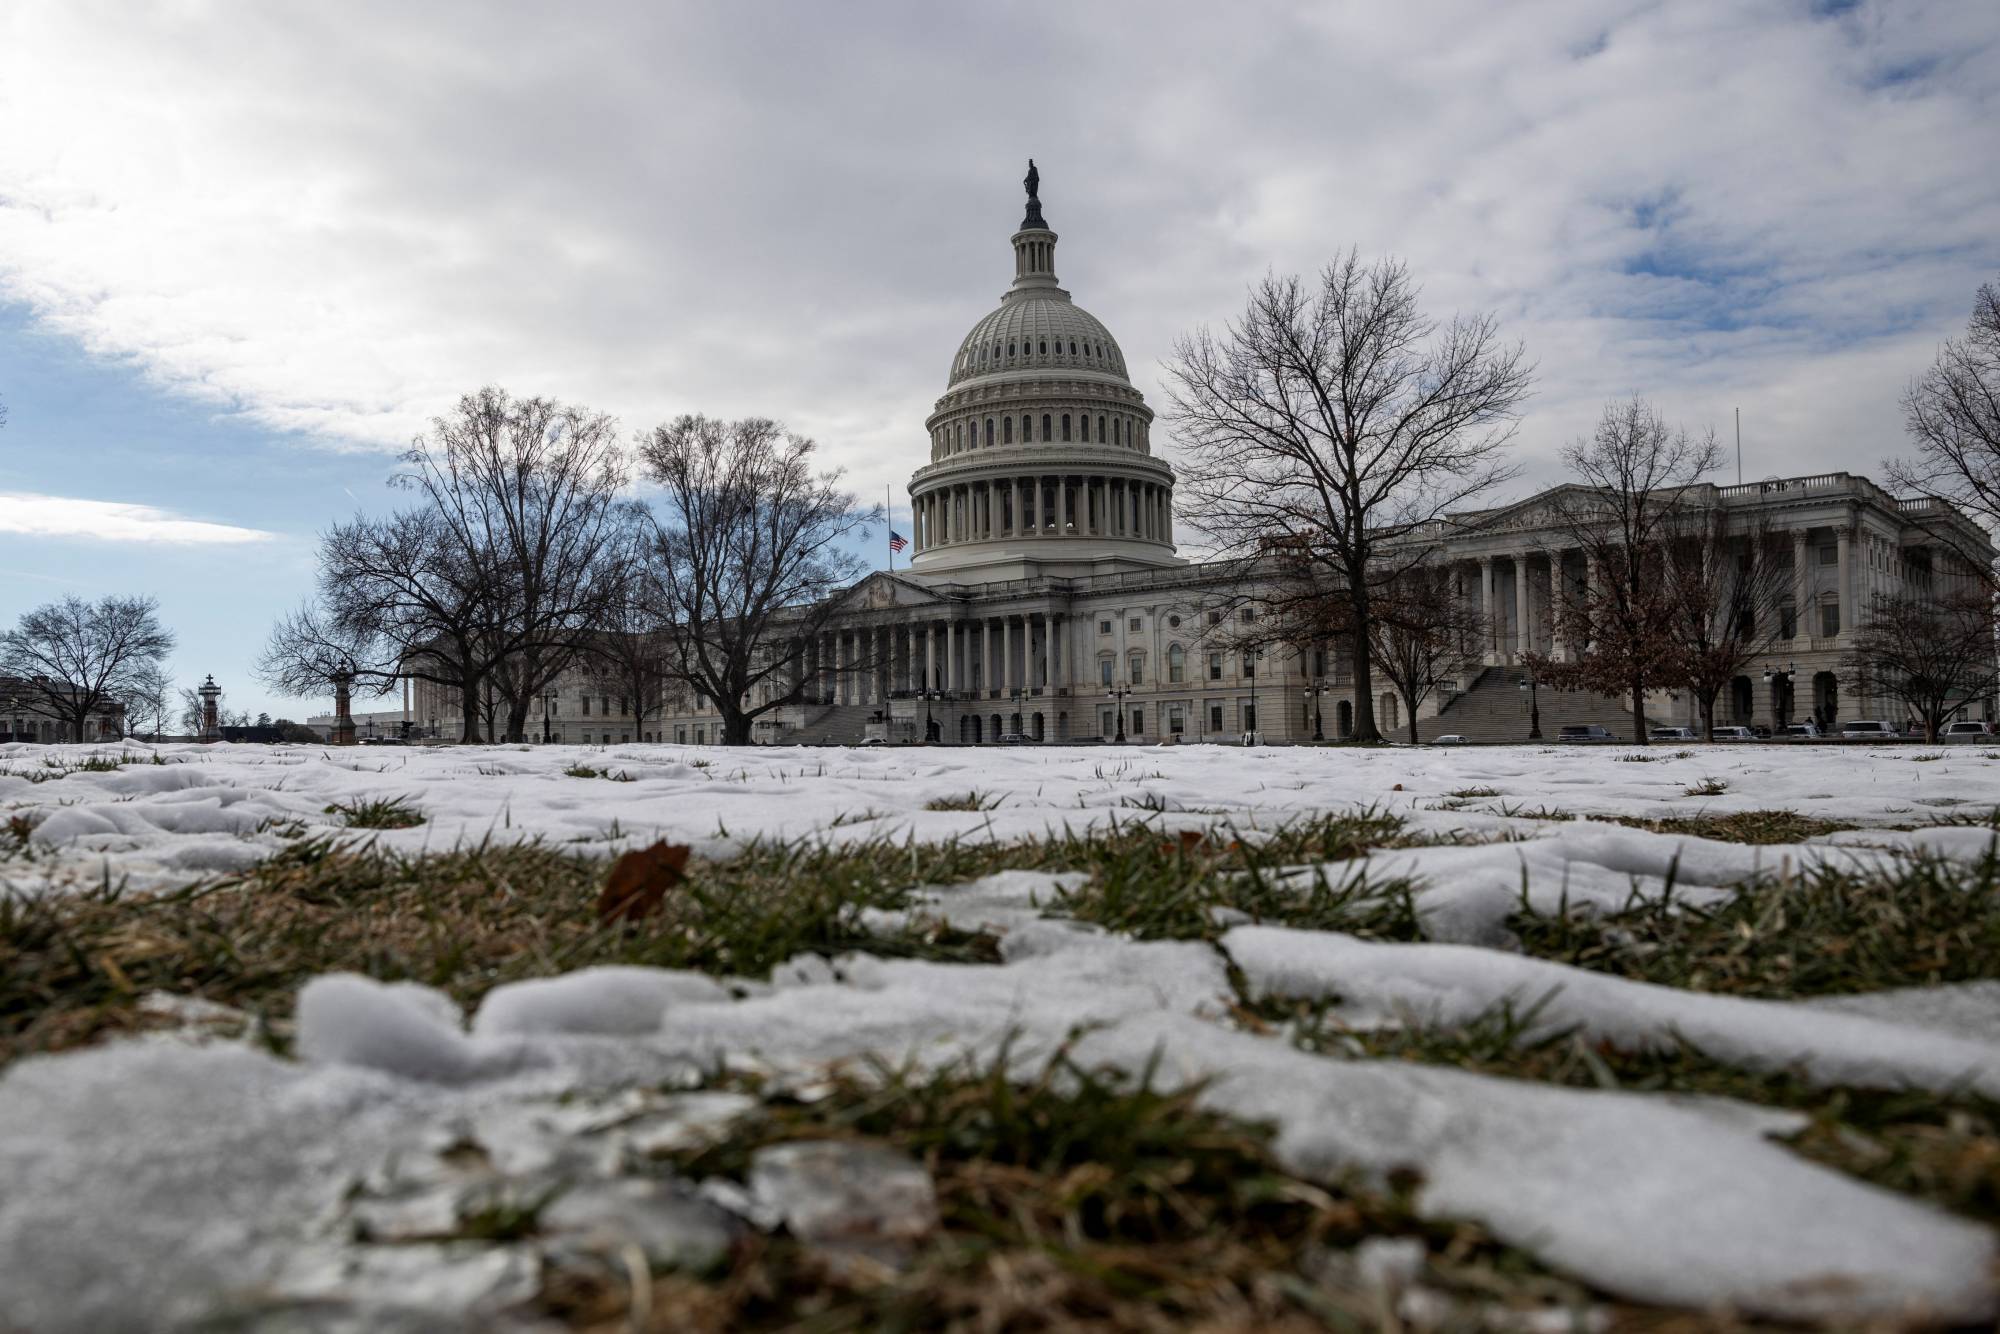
(1495, 708)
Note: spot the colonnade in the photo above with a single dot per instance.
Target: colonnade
(990, 655)
(1045, 505)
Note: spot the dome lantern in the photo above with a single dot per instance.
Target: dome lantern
(1034, 245)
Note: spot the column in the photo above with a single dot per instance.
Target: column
(1802, 595)
(1049, 660)
(930, 655)
(1018, 515)
(1558, 642)
(1844, 570)
(1488, 610)
(950, 676)
(1007, 653)
(1522, 643)
(1062, 507)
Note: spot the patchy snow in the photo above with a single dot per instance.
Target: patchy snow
(212, 809)
(158, 1183)
(1452, 985)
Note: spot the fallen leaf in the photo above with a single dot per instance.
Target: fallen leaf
(1397, 788)
(639, 882)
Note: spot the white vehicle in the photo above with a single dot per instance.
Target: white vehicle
(1798, 730)
(1449, 739)
(1734, 734)
(1867, 729)
(1670, 734)
(1965, 729)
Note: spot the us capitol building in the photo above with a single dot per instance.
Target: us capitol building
(1045, 601)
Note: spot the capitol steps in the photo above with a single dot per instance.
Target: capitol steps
(1496, 709)
(838, 725)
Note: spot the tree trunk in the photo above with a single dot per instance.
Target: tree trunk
(1365, 730)
(517, 721)
(1707, 703)
(1411, 705)
(735, 727)
(1639, 709)
(468, 692)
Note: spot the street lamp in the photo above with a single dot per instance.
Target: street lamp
(1528, 684)
(548, 711)
(927, 695)
(1118, 694)
(1316, 692)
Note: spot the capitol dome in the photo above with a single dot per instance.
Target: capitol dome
(1041, 451)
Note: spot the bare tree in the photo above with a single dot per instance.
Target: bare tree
(190, 713)
(632, 651)
(1330, 419)
(1952, 414)
(527, 490)
(1423, 634)
(751, 554)
(1933, 654)
(149, 701)
(1630, 501)
(1725, 583)
(75, 658)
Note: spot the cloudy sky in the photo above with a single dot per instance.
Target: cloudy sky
(246, 250)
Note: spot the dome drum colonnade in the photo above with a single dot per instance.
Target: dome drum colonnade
(1040, 445)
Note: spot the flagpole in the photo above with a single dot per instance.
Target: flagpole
(889, 524)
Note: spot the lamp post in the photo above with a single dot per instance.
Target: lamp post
(210, 692)
(1118, 694)
(1529, 684)
(548, 712)
(1316, 692)
(927, 695)
(1789, 675)
(1020, 698)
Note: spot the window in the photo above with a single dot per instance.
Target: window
(1101, 437)
(1215, 668)
(1072, 347)
(1085, 424)
(680, 734)
(1249, 717)
(1176, 719)
(1176, 664)
(1215, 717)
(1132, 624)
(1215, 618)
(1104, 672)
(1250, 663)
(1007, 431)
(1829, 619)
(1138, 721)
(1174, 622)
(586, 705)
(604, 703)
(989, 433)
(1788, 622)
(1829, 555)
(1027, 429)
(621, 706)
(1104, 627)
(1045, 347)
(1065, 428)
(1106, 722)
(1046, 437)
(1249, 615)
(1010, 349)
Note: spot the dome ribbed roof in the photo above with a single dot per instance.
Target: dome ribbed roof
(1038, 333)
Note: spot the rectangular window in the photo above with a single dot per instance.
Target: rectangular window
(1215, 717)
(1138, 720)
(1250, 664)
(1829, 555)
(1249, 615)
(1215, 666)
(1215, 618)
(1104, 671)
(1106, 724)
(1788, 622)
(1829, 619)
(1176, 719)
(1249, 717)
(1138, 671)
(1104, 627)
(1176, 668)
(1132, 624)
(586, 705)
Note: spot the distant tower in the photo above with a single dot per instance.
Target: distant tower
(210, 692)
(343, 720)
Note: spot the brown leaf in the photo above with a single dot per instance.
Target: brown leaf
(1187, 843)
(639, 882)
(1396, 788)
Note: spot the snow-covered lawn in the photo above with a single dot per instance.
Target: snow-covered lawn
(159, 1180)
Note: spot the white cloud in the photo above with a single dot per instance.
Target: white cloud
(113, 521)
(335, 221)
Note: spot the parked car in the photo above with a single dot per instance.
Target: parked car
(1670, 734)
(1799, 730)
(1734, 734)
(1761, 732)
(1965, 729)
(1867, 729)
(1449, 739)
(1015, 739)
(1586, 733)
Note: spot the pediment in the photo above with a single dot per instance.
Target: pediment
(882, 591)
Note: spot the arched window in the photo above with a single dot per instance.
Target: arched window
(1086, 428)
(1065, 428)
(989, 433)
(1027, 428)
(1006, 430)
(1010, 349)
(1046, 437)
(1117, 430)
(1045, 347)
(1100, 428)
(1176, 664)
(1072, 347)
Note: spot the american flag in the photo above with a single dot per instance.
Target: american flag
(897, 541)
